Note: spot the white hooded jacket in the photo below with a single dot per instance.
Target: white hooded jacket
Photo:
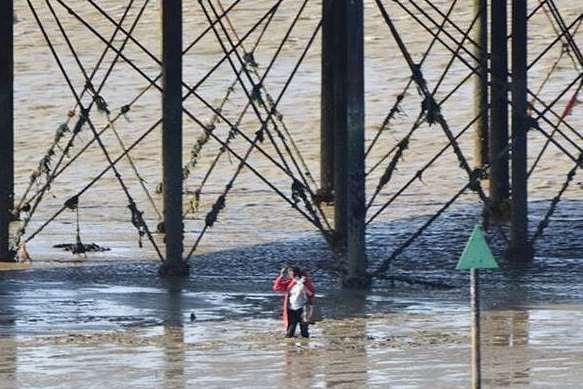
(298, 296)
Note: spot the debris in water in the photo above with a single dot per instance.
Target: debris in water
(81, 248)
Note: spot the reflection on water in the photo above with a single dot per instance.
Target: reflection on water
(508, 328)
(335, 356)
(9, 345)
(298, 369)
(351, 372)
(507, 334)
(174, 348)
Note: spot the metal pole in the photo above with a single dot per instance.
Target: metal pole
(329, 30)
(6, 126)
(499, 178)
(481, 86)
(339, 122)
(475, 307)
(349, 147)
(519, 236)
(172, 136)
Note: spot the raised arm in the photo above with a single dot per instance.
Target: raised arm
(281, 284)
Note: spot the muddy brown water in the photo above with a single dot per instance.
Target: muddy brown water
(110, 320)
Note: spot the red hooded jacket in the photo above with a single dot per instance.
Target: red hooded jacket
(282, 284)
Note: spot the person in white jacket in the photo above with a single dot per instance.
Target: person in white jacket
(299, 291)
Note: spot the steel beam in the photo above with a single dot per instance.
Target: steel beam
(519, 245)
(327, 127)
(481, 85)
(349, 178)
(6, 126)
(499, 176)
(172, 136)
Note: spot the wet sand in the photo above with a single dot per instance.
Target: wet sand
(139, 334)
(43, 101)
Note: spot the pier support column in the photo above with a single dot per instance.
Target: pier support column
(481, 85)
(330, 28)
(172, 136)
(349, 177)
(499, 168)
(519, 249)
(6, 126)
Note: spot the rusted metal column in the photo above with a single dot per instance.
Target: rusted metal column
(499, 177)
(481, 85)
(339, 108)
(329, 55)
(6, 125)
(172, 136)
(475, 307)
(519, 246)
(349, 140)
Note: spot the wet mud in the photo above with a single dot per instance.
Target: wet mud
(59, 331)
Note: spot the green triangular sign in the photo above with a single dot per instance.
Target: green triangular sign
(477, 254)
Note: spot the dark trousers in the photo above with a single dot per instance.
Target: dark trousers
(294, 316)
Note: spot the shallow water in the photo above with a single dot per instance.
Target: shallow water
(110, 319)
(66, 333)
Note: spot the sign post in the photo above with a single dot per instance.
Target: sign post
(476, 255)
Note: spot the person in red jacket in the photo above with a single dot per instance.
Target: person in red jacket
(299, 291)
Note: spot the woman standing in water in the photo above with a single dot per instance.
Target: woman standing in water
(299, 291)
